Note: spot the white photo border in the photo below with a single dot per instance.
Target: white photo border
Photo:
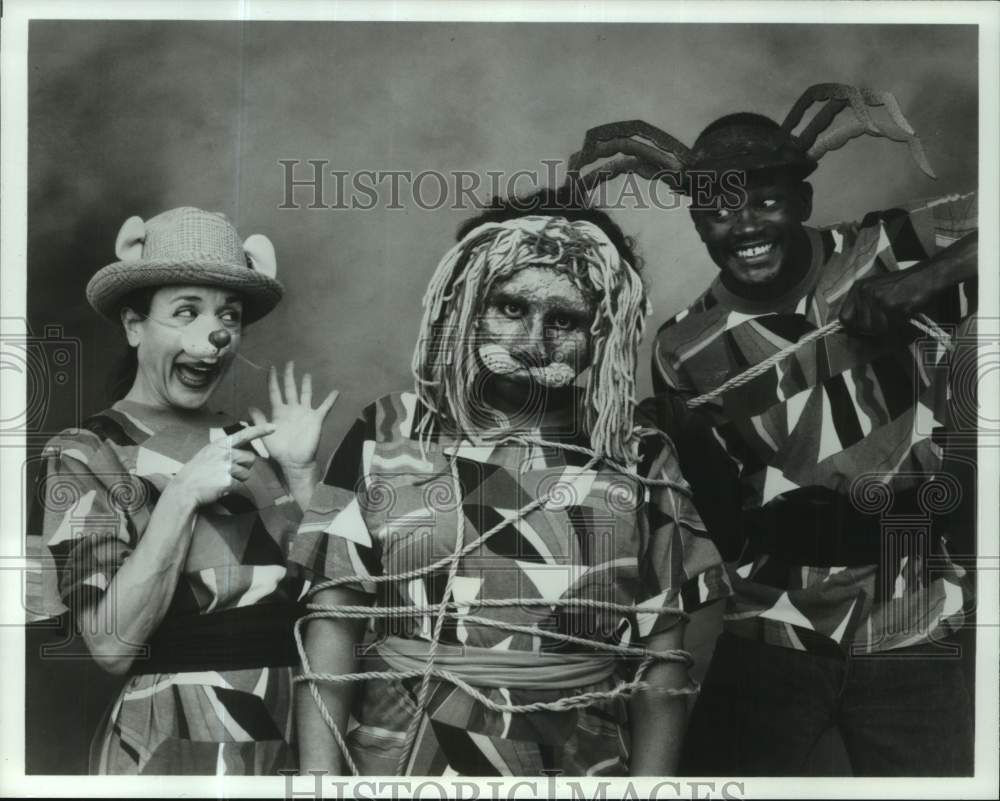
(13, 249)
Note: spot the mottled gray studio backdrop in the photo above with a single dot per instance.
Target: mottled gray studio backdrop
(135, 117)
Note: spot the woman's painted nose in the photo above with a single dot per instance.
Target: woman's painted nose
(220, 338)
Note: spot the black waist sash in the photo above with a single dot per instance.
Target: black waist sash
(816, 527)
(259, 635)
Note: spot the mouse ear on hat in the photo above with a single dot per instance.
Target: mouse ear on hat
(128, 245)
(260, 255)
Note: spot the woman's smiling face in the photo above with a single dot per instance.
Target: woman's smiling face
(179, 365)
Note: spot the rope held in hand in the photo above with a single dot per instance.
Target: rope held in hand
(921, 321)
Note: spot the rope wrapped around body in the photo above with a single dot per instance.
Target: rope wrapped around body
(448, 367)
(424, 663)
(447, 363)
(450, 609)
(920, 321)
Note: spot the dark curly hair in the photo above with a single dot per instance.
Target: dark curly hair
(124, 369)
(563, 201)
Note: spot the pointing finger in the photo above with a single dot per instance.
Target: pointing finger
(250, 433)
(258, 417)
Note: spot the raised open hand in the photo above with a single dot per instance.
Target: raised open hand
(297, 426)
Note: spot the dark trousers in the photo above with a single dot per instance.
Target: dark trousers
(763, 709)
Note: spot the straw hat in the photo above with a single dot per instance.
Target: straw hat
(188, 246)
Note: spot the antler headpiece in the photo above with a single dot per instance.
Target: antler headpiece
(744, 141)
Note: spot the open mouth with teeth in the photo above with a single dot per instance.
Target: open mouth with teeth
(760, 250)
(197, 375)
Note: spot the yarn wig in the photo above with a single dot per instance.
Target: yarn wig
(446, 366)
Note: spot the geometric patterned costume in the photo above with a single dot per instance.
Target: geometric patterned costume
(217, 713)
(819, 450)
(385, 508)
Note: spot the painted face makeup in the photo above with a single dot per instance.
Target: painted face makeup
(756, 243)
(185, 345)
(535, 328)
(499, 361)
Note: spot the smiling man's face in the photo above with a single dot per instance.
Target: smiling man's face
(753, 241)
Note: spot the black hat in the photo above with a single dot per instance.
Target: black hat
(748, 142)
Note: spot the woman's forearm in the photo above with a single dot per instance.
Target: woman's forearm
(301, 482)
(330, 647)
(140, 593)
(657, 719)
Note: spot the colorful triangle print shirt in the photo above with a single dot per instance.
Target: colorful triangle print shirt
(385, 508)
(101, 484)
(829, 493)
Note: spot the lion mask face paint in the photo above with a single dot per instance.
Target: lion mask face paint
(535, 327)
(488, 291)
